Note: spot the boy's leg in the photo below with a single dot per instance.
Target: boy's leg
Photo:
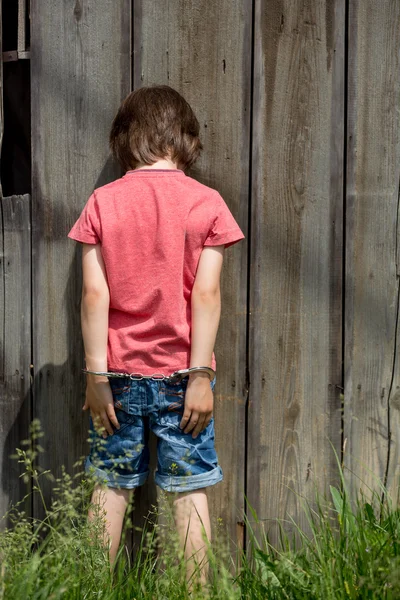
(113, 502)
(191, 518)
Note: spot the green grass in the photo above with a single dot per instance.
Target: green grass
(351, 550)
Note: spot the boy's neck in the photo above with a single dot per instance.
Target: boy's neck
(163, 163)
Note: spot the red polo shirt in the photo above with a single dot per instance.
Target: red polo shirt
(152, 225)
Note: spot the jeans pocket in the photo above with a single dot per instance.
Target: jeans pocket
(172, 404)
(120, 389)
(124, 419)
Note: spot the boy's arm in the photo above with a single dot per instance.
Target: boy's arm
(94, 308)
(206, 312)
(94, 321)
(206, 308)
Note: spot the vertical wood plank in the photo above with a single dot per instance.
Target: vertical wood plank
(296, 257)
(1, 93)
(372, 377)
(1, 187)
(80, 53)
(15, 316)
(203, 49)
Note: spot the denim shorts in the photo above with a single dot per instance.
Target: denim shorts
(121, 460)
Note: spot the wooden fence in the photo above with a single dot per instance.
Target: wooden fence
(298, 103)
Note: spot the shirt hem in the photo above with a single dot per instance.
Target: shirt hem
(84, 238)
(225, 239)
(160, 371)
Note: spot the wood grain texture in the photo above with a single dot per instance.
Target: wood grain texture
(296, 250)
(1, 188)
(15, 317)
(203, 49)
(1, 91)
(80, 53)
(372, 377)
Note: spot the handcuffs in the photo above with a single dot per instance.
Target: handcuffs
(176, 376)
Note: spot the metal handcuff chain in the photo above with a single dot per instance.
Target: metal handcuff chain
(176, 375)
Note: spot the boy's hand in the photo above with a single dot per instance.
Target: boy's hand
(99, 399)
(199, 402)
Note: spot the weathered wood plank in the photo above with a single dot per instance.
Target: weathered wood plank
(15, 317)
(296, 250)
(80, 56)
(372, 376)
(1, 188)
(203, 49)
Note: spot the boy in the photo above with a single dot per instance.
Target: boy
(153, 244)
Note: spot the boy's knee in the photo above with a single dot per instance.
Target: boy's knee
(123, 494)
(119, 494)
(180, 496)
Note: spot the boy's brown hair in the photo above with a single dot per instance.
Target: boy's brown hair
(152, 123)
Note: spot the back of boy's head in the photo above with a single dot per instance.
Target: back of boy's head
(152, 123)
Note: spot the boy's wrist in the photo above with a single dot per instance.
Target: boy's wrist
(96, 364)
(199, 375)
(207, 375)
(93, 379)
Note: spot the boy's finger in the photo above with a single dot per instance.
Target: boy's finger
(208, 419)
(194, 419)
(98, 424)
(112, 416)
(199, 427)
(106, 423)
(185, 418)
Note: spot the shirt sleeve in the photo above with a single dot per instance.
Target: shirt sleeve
(224, 229)
(87, 228)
